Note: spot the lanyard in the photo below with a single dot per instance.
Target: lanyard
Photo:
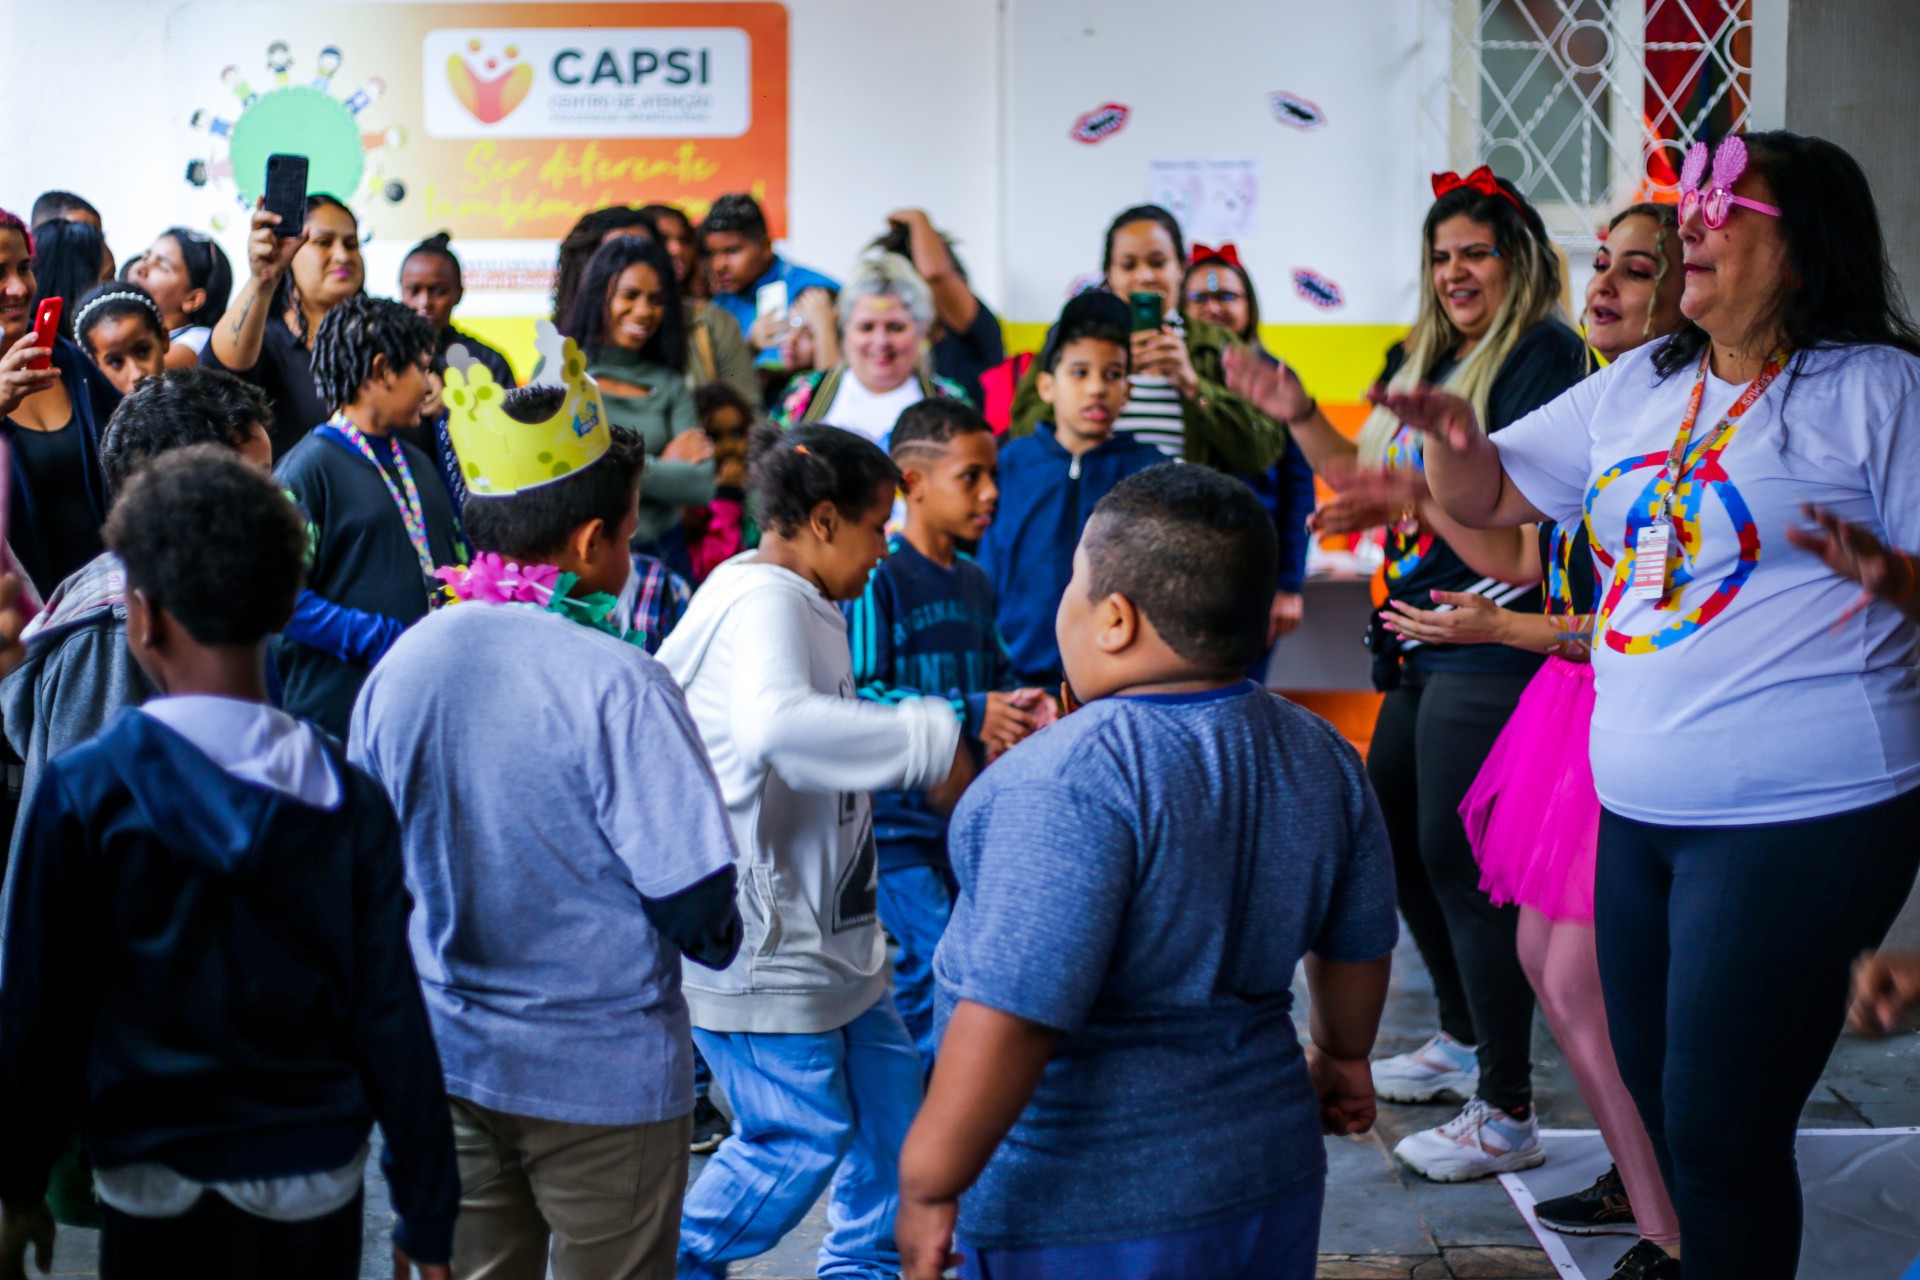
(412, 515)
(1676, 456)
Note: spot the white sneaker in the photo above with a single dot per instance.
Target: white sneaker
(1440, 1066)
(1480, 1141)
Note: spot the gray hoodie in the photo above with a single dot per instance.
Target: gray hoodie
(764, 661)
(77, 674)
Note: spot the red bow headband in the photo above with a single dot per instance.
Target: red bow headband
(1481, 180)
(1226, 253)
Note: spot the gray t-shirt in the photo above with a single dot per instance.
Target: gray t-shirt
(546, 776)
(1144, 877)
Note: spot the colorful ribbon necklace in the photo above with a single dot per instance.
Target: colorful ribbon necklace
(412, 514)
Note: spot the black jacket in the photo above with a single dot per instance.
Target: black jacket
(213, 976)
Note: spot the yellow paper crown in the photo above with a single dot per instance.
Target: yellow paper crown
(501, 456)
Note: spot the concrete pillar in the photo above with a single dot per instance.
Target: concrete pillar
(1852, 67)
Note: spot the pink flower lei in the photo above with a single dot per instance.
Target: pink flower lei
(492, 579)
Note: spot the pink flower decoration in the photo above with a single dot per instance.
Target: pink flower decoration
(1695, 167)
(491, 579)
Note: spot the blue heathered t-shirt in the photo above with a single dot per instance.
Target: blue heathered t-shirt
(1144, 876)
(548, 777)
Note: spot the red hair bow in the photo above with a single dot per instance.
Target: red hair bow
(1481, 180)
(1226, 253)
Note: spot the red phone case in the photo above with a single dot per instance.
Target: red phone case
(46, 326)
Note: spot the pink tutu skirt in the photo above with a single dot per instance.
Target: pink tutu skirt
(1532, 816)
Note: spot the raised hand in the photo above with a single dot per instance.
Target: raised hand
(17, 380)
(1445, 418)
(1273, 389)
(1857, 555)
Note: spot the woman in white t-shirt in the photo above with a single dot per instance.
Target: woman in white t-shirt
(886, 312)
(1758, 762)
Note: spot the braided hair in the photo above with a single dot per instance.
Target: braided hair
(356, 331)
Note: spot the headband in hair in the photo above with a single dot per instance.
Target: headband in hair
(120, 295)
(1228, 253)
(1481, 180)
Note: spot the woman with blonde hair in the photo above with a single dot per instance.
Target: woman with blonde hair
(1491, 329)
(886, 313)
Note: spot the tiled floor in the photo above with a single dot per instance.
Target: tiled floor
(1380, 1221)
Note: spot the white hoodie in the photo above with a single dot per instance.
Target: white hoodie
(763, 658)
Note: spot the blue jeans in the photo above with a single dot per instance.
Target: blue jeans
(1725, 960)
(808, 1110)
(1278, 1242)
(915, 903)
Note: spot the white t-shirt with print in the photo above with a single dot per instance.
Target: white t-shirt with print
(1745, 702)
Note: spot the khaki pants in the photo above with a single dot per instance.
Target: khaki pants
(605, 1197)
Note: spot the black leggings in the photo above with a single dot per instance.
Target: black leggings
(1433, 734)
(1725, 955)
(215, 1241)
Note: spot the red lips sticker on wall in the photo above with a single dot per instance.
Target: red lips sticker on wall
(1101, 123)
(1295, 111)
(1317, 289)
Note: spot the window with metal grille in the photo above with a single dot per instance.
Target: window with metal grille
(1586, 105)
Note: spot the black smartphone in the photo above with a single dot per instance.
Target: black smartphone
(287, 193)
(1149, 312)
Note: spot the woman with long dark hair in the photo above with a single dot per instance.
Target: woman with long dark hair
(266, 335)
(1758, 765)
(628, 321)
(188, 274)
(52, 416)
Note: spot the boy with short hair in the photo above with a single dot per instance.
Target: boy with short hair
(205, 959)
(1121, 1091)
(741, 261)
(926, 626)
(566, 844)
(1051, 481)
(381, 518)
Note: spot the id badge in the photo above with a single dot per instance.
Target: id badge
(1650, 562)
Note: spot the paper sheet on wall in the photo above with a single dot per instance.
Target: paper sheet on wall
(1215, 198)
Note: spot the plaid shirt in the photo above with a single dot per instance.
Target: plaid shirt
(660, 601)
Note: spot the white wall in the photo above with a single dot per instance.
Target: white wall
(1337, 199)
(962, 108)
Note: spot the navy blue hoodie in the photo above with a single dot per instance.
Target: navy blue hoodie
(215, 977)
(1046, 497)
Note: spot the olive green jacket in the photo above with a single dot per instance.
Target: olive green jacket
(1222, 430)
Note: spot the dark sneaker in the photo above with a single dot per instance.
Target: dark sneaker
(1646, 1261)
(1600, 1210)
(710, 1128)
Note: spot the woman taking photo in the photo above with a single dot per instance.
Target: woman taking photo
(1490, 328)
(886, 311)
(1219, 292)
(52, 417)
(189, 276)
(628, 322)
(1180, 402)
(266, 335)
(1758, 765)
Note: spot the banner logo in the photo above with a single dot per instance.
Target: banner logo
(588, 82)
(491, 93)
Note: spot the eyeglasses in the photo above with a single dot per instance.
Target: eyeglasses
(1225, 296)
(1716, 202)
